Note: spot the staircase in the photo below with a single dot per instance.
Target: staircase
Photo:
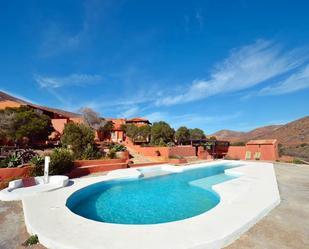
(137, 157)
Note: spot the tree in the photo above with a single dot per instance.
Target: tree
(24, 122)
(144, 133)
(137, 133)
(106, 128)
(182, 134)
(197, 133)
(77, 137)
(161, 133)
(93, 120)
(213, 138)
(131, 131)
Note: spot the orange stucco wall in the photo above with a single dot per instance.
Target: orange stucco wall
(269, 152)
(203, 154)
(59, 124)
(164, 152)
(7, 173)
(236, 152)
(81, 163)
(185, 151)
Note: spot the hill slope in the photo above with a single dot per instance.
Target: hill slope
(293, 133)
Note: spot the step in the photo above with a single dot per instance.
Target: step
(209, 181)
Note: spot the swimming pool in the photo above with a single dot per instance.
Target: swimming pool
(151, 200)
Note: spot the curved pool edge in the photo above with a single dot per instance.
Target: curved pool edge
(244, 201)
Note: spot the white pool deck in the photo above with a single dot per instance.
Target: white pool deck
(16, 191)
(244, 201)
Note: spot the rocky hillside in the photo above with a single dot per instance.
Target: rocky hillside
(293, 133)
(293, 136)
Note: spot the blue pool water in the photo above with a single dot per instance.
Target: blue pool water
(150, 200)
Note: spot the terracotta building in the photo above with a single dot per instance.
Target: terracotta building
(265, 149)
(60, 117)
(117, 135)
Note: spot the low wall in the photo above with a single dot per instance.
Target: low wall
(184, 151)
(7, 173)
(81, 163)
(154, 151)
(163, 152)
(236, 152)
(268, 152)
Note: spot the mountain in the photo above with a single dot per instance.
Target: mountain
(232, 136)
(293, 133)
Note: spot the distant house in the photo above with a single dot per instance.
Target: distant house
(118, 135)
(60, 117)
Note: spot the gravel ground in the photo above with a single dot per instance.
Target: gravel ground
(287, 226)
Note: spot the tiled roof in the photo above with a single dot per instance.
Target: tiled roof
(4, 97)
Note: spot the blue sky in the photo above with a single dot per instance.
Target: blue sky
(209, 64)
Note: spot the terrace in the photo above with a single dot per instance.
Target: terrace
(283, 227)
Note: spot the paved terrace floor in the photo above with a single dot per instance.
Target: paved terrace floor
(287, 226)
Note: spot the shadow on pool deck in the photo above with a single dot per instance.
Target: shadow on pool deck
(287, 226)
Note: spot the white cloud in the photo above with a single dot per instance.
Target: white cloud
(156, 116)
(56, 38)
(190, 120)
(130, 112)
(199, 17)
(73, 79)
(244, 68)
(295, 82)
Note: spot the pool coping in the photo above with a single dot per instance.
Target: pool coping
(244, 201)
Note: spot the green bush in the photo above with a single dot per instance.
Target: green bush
(37, 163)
(77, 137)
(61, 161)
(32, 240)
(91, 152)
(297, 161)
(13, 161)
(118, 147)
(112, 154)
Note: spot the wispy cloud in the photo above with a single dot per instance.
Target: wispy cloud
(295, 82)
(70, 80)
(130, 112)
(156, 116)
(244, 68)
(55, 40)
(200, 18)
(190, 120)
